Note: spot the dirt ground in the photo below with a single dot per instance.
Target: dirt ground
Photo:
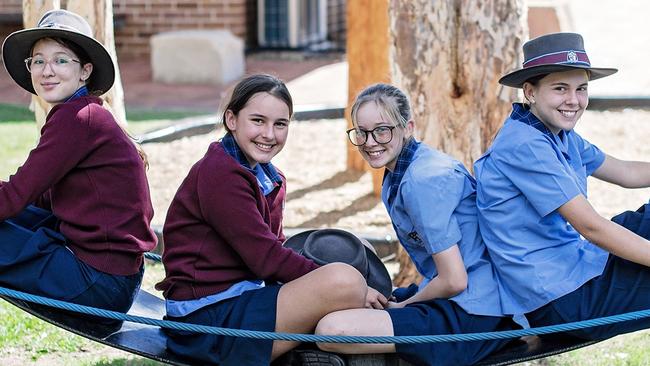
(321, 193)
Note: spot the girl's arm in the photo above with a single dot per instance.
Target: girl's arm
(606, 234)
(450, 281)
(625, 173)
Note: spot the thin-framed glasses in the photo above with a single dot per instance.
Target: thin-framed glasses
(37, 63)
(381, 134)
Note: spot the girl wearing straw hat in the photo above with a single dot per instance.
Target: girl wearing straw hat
(458, 293)
(557, 260)
(74, 218)
(224, 258)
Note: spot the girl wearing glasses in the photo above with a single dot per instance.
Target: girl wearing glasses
(430, 198)
(74, 219)
(224, 260)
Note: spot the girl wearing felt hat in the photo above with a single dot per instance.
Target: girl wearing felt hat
(459, 292)
(224, 259)
(74, 218)
(557, 260)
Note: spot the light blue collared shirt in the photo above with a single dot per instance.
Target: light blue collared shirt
(523, 178)
(182, 308)
(435, 208)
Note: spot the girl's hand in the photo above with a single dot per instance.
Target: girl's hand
(375, 300)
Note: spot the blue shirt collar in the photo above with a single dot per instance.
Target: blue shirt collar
(81, 92)
(521, 112)
(230, 145)
(403, 160)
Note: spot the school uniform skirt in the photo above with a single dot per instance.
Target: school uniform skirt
(252, 310)
(34, 258)
(441, 316)
(623, 287)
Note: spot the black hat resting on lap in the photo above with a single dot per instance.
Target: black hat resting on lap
(334, 245)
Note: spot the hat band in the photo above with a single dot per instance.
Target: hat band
(59, 26)
(560, 58)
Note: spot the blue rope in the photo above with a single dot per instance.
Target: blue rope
(152, 256)
(320, 338)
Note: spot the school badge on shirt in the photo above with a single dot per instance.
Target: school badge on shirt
(414, 236)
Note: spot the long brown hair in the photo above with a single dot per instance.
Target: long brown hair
(83, 57)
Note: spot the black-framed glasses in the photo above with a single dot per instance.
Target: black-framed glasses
(381, 134)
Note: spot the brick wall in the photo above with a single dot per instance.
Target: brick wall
(141, 19)
(336, 25)
(137, 20)
(11, 6)
(10, 17)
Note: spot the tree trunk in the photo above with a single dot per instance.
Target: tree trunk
(33, 10)
(99, 15)
(448, 55)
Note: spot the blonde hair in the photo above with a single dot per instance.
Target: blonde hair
(390, 99)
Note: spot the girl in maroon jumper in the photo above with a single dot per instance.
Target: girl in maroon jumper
(224, 260)
(74, 219)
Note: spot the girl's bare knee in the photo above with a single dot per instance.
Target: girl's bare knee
(345, 283)
(330, 325)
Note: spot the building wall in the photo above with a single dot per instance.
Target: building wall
(10, 17)
(336, 24)
(137, 20)
(11, 6)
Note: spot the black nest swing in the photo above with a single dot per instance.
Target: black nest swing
(150, 341)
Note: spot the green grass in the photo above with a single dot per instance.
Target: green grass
(32, 340)
(624, 350)
(18, 132)
(13, 113)
(16, 139)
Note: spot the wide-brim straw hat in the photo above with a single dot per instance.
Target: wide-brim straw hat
(326, 246)
(63, 24)
(555, 52)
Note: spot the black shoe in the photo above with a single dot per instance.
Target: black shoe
(310, 357)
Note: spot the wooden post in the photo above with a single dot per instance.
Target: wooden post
(367, 52)
(33, 10)
(99, 14)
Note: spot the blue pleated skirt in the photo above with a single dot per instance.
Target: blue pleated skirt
(34, 258)
(252, 310)
(436, 317)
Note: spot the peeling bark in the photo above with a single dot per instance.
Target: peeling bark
(448, 55)
(99, 15)
(33, 10)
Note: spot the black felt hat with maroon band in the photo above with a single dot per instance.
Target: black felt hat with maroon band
(555, 52)
(334, 245)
